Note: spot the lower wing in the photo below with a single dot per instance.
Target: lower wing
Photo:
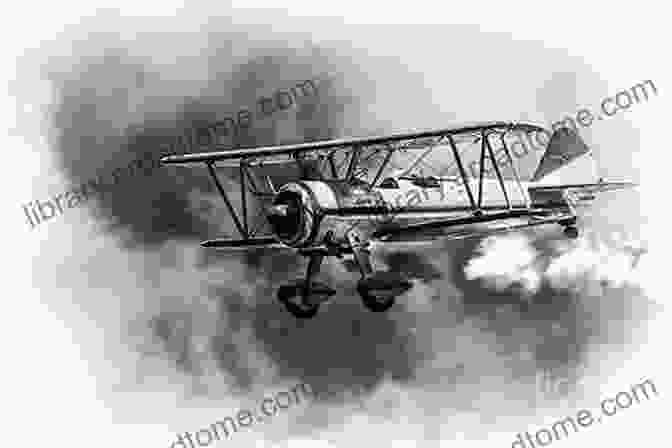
(227, 243)
(470, 226)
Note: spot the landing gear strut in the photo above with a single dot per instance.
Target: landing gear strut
(570, 230)
(303, 297)
(378, 290)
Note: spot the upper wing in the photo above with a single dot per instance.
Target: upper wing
(296, 149)
(343, 158)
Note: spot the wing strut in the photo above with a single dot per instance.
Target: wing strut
(354, 158)
(528, 205)
(243, 196)
(388, 156)
(496, 166)
(464, 176)
(234, 215)
(482, 173)
(332, 165)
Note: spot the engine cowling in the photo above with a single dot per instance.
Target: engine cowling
(296, 214)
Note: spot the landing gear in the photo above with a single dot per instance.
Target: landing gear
(376, 304)
(293, 300)
(303, 297)
(378, 290)
(569, 227)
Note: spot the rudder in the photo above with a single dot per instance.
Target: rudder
(564, 147)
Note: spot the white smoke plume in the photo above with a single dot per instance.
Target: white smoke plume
(503, 262)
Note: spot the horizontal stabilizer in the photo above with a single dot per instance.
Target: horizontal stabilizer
(593, 188)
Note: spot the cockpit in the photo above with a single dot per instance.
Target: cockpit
(418, 181)
(389, 182)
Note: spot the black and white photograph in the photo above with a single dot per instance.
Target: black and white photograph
(304, 224)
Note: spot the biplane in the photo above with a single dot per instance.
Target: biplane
(338, 197)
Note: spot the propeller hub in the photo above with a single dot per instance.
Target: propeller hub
(291, 216)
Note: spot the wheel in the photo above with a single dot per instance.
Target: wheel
(299, 310)
(377, 304)
(571, 232)
(379, 290)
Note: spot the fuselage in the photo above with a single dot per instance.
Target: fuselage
(303, 212)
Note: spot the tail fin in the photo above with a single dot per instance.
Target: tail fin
(567, 158)
(567, 173)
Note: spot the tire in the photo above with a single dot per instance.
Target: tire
(301, 311)
(373, 303)
(285, 295)
(571, 232)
